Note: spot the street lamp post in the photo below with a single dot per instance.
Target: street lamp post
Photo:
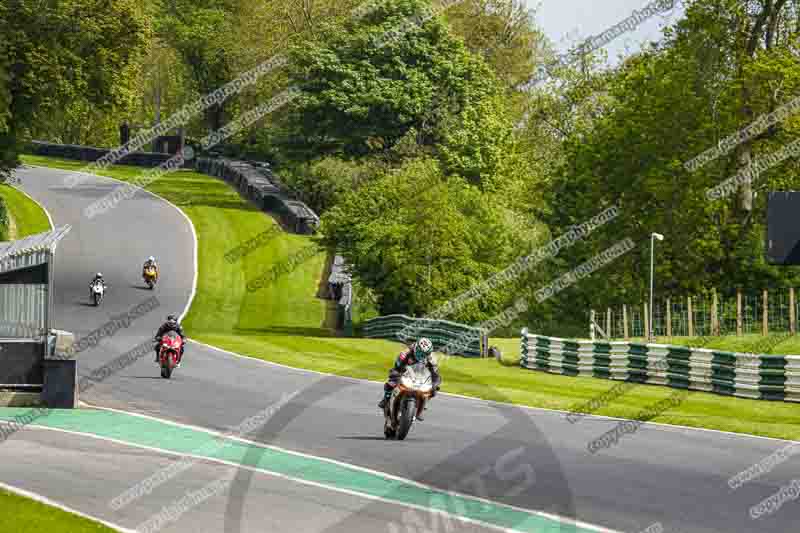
(652, 273)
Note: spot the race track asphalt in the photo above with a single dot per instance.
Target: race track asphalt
(673, 476)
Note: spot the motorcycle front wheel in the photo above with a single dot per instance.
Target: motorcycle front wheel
(166, 370)
(406, 416)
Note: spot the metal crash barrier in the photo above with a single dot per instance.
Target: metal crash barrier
(30, 371)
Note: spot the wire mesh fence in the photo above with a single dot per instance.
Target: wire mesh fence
(750, 313)
(727, 316)
(778, 311)
(678, 318)
(709, 314)
(659, 320)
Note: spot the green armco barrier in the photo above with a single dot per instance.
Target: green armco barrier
(760, 377)
(464, 340)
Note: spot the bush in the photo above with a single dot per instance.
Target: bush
(418, 238)
(3, 220)
(323, 183)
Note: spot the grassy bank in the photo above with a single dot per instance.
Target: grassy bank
(287, 324)
(26, 216)
(30, 516)
(223, 220)
(775, 343)
(23, 515)
(782, 343)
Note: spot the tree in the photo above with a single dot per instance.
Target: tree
(324, 182)
(8, 148)
(418, 238)
(502, 33)
(165, 85)
(662, 108)
(198, 31)
(63, 54)
(369, 82)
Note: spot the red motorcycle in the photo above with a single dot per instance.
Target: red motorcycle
(169, 355)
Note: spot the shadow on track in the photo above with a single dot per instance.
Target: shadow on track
(491, 467)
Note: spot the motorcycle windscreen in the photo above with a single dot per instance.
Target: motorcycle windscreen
(172, 339)
(419, 375)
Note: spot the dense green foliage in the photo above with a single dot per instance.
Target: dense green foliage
(64, 60)
(364, 89)
(3, 220)
(716, 71)
(403, 136)
(197, 30)
(417, 237)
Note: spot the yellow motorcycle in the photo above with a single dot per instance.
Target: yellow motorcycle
(150, 277)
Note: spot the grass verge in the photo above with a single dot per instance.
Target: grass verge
(223, 220)
(26, 214)
(782, 343)
(775, 343)
(30, 516)
(23, 515)
(286, 323)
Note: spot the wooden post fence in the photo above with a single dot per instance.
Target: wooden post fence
(625, 322)
(669, 319)
(628, 329)
(739, 312)
(714, 315)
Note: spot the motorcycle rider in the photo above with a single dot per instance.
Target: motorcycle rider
(170, 325)
(97, 277)
(151, 262)
(418, 352)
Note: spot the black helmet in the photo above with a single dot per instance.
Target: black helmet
(172, 319)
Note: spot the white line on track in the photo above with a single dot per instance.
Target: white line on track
(374, 472)
(660, 425)
(357, 380)
(179, 210)
(195, 261)
(42, 499)
(550, 516)
(46, 212)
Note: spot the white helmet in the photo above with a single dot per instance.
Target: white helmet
(151, 259)
(99, 275)
(423, 348)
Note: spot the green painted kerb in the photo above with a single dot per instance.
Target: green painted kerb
(165, 436)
